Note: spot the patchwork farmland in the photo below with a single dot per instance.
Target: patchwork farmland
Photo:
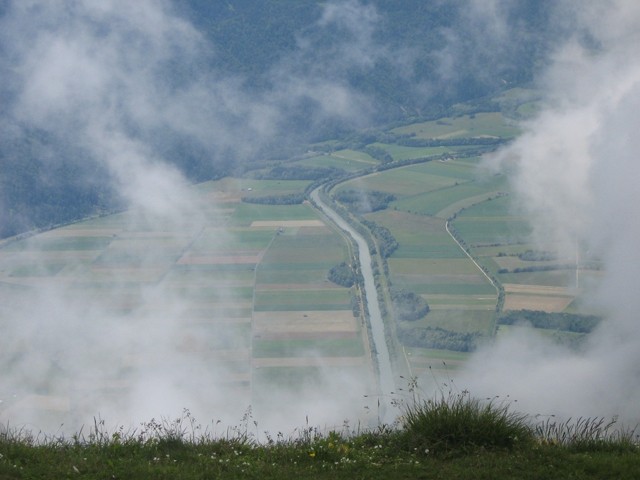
(246, 291)
(462, 246)
(242, 287)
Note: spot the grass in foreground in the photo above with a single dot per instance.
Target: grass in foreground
(454, 437)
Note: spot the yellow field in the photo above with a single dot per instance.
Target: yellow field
(536, 297)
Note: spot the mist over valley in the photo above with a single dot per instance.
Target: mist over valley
(288, 213)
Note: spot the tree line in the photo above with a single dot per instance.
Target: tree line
(408, 306)
(568, 322)
(439, 338)
(299, 172)
(343, 275)
(387, 244)
(286, 199)
(365, 201)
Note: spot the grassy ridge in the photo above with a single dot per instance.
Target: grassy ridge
(452, 436)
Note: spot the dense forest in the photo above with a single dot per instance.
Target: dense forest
(258, 35)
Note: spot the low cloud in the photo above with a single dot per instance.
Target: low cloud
(119, 84)
(575, 166)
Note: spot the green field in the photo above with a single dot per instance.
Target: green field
(252, 187)
(322, 347)
(492, 124)
(245, 213)
(401, 152)
(404, 181)
(286, 299)
(268, 378)
(349, 160)
(428, 260)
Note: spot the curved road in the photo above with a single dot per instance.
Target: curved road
(387, 384)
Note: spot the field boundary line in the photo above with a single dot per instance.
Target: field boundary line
(446, 225)
(499, 289)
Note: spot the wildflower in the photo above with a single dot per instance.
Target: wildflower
(312, 454)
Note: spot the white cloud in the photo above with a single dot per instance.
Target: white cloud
(110, 77)
(575, 176)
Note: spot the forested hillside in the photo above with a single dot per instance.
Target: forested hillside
(259, 80)
(447, 56)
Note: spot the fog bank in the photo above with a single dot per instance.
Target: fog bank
(575, 169)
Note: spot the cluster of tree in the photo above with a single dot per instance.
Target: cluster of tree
(537, 256)
(287, 199)
(568, 322)
(378, 153)
(355, 304)
(298, 172)
(408, 306)
(342, 274)
(385, 239)
(359, 140)
(445, 142)
(436, 337)
(365, 201)
(538, 268)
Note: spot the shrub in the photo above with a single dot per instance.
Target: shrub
(286, 199)
(409, 306)
(586, 434)
(459, 422)
(342, 274)
(569, 322)
(437, 337)
(365, 201)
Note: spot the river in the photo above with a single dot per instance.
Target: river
(385, 371)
